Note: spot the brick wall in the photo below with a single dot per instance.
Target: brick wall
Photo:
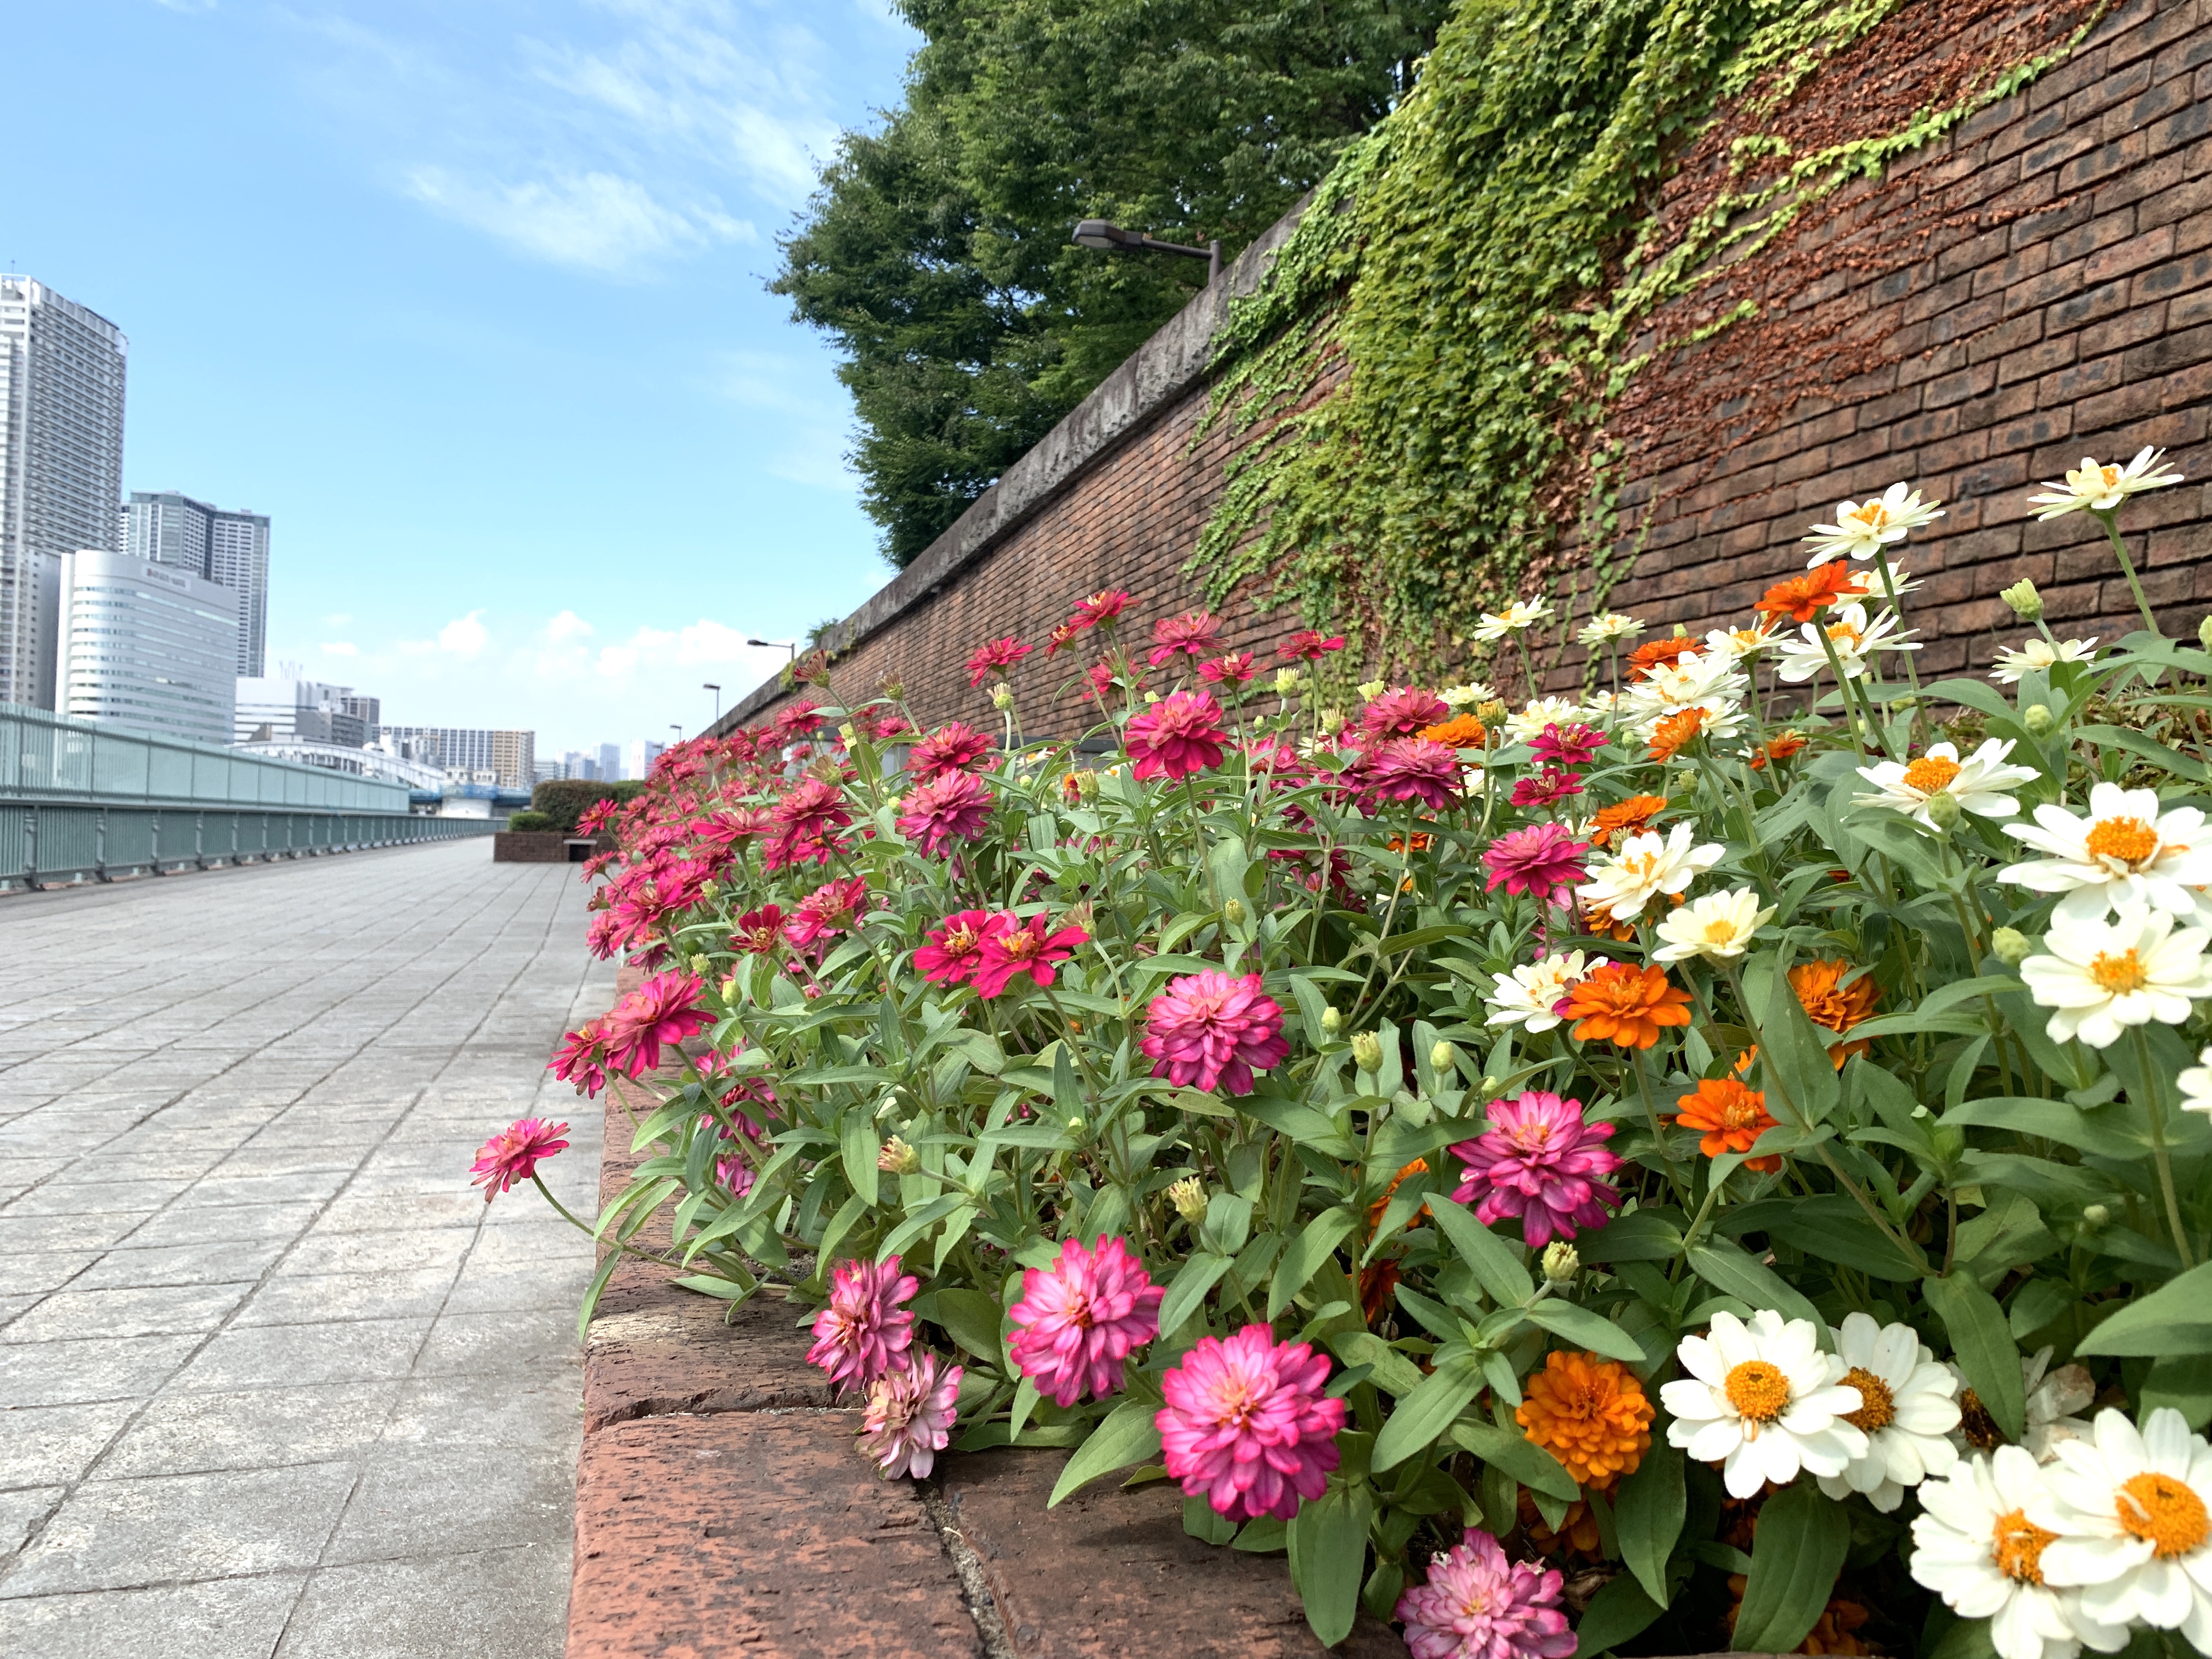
(2033, 287)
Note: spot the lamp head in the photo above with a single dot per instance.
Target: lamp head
(1105, 237)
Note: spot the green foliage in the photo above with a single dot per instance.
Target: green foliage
(526, 820)
(560, 800)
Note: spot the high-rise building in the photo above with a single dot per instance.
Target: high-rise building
(369, 711)
(514, 757)
(287, 708)
(643, 753)
(61, 467)
(610, 761)
(464, 751)
(213, 542)
(147, 645)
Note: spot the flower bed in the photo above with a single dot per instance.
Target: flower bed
(1717, 1161)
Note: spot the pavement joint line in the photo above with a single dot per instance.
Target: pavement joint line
(975, 1589)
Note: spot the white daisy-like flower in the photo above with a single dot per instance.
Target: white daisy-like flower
(1866, 583)
(2036, 654)
(2101, 488)
(2099, 977)
(1646, 866)
(1600, 708)
(2132, 1512)
(1605, 628)
(1763, 1402)
(1734, 644)
(1978, 783)
(1714, 926)
(2125, 852)
(1974, 1546)
(1466, 696)
(1709, 681)
(1863, 529)
(1855, 639)
(1526, 996)
(1521, 614)
(1532, 718)
(1910, 1405)
(2195, 1083)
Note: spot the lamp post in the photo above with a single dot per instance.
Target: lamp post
(792, 646)
(1112, 239)
(709, 685)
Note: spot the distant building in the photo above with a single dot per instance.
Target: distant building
(463, 752)
(275, 709)
(514, 758)
(642, 754)
(147, 645)
(545, 771)
(575, 763)
(609, 762)
(369, 711)
(225, 547)
(61, 468)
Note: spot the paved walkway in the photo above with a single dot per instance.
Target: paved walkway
(273, 1379)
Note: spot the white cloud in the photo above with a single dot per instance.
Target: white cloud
(465, 637)
(568, 626)
(596, 221)
(339, 648)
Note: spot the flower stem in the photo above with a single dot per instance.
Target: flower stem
(2155, 1108)
(1651, 1116)
(2110, 521)
(1842, 691)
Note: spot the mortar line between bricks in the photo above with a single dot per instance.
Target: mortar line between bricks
(982, 1605)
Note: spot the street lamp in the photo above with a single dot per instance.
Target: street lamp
(1112, 239)
(709, 685)
(792, 646)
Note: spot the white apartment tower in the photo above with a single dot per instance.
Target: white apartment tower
(145, 645)
(61, 467)
(232, 549)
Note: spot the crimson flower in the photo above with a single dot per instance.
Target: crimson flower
(1178, 735)
(1306, 646)
(1096, 610)
(797, 720)
(1400, 713)
(581, 1059)
(1211, 1029)
(1023, 947)
(1567, 745)
(1237, 667)
(954, 951)
(1194, 633)
(1542, 859)
(595, 816)
(995, 658)
(953, 806)
(1247, 1426)
(1063, 636)
(1101, 678)
(664, 1010)
(954, 747)
(863, 1333)
(830, 908)
(1412, 769)
(1547, 788)
(1078, 1319)
(760, 932)
(514, 1153)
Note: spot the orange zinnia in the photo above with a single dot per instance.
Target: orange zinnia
(1833, 1005)
(1460, 732)
(1589, 1413)
(1676, 730)
(1781, 746)
(1799, 597)
(1626, 1004)
(1626, 817)
(1419, 1166)
(1730, 1119)
(1659, 654)
(1578, 1532)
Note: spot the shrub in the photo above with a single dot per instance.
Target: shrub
(562, 799)
(531, 821)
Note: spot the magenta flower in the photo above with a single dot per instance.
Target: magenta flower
(954, 951)
(1079, 1318)
(1542, 859)
(1023, 947)
(735, 1175)
(1211, 1029)
(1306, 646)
(1567, 745)
(759, 932)
(909, 1418)
(664, 1010)
(514, 1153)
(1178, 735)
(1547, 788)
(1100, 608)
(1195, 632)
(1402, 713)
(1476, 1606)
(863, 1333)
(1247, 1426)
(797, 720)
(953, 747)
(952, 807)
(581, 1059)
(1537, 1162)
(995, 658)
(1236, 668)
(830, 908)
(1412, 769)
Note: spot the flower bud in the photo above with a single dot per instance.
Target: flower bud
(1561, 1263)
(2026, 603)
(1370, 690)
(897, 1157)
(2038, 720)
(2010, 946)
(1151, 697)
(1188, 1197)
(1944, 811)
(2204, 633)
(1491, 712)
(1002, 696)
(1075, 1123)
(1331, 721)
(1331, 1021)
(850, 732)
(710, 889)
(2094, 1216)
(1441, 1056)
(700, 965)
(1286, 682)
(1367, 1052)
(1233, 913)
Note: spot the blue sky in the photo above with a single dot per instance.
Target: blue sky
(467, 295)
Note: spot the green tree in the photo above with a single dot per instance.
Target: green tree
(936, 252)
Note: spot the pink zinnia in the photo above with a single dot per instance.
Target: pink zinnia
(955, 806)
(1178, 735)
(1100, 608)
(863, 1333)
(1476, 1606)
(1023, 947)
(1210, 1029)
(953, 747)
(1236, 668)
(995, 658)
(1567, 745)
(1549, 788)
(909, 1418)
(594, 818)
(812, 807)
(954, 951)
(1412, 769)
(664, 1010)
(760, 931)
(735, 1175)
(581, 1059)
(1306, 646)
(1195, 632)
(1543, 860)
(1101, 678)
(1402, 713)
(1078, 1319)
(1246, 1425)
(830, 908)
(1537, 1162)
(513, 1154)
(797, 720)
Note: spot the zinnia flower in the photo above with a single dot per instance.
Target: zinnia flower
(2195, 1082)
(863, 1333)
(1626, 1004)
(1078, 1319)
(1235, 668)
(909, 1418)
(1460, 732)
(953, 747)
(2101, 488)
(2101, 977)
(1213, 1029)
(1976, 1547)
(2037, 655)
(1547, 788)
(995, 658)
(1978, 783)
(2125, 852)
(1590, 1414)
(1532, 717)
(830, 909)
(581, 1059)
(1660, 653)
(1629, 816)
(955, 950)
(1529, 996)
(1863, 529)
(1645, 867)
(1246, 1425)
(1195, 633)
(2132, 1512)
(1400, 713)
(1608, 627)
(955, 806)
(1673, 732)
(1834, 1006)
(1023, 947)
(1715, 925)
(1572, 745)
(759, 932)
(1543, 861)
(1537, 1162)
(1801, 598)
(1306, 646)
(1096, 610)
(1729, 1118)
(664, 1009)
(1519, 614)
(1851, 635)
(1763, 1402)
(1473, 1605)
(1178, 735)
(1411, 768)
(1908, 1405)
(512, 1155)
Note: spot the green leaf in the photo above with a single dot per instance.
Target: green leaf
(1640, 1235)
(1614, 1614)
(1520, 1457)
(1200, 1273)
(2182, 1380)
(1795, 1555)
(1732, 1270)
(1305, 1255)
(971, 1318)
(1982, 1343)
(2103, 1133)
(918, 1223)
(1390, 1370)
(1328, 1558)
(1832, 1227)
(2174, 1319)
(1201, 1520)
(1794, 1054)
(1587, 1329)
(1648, 1511)
(1302, 1123)
(1499, 1271)
(861, 1148)
(1127, 1436)
(1424, 1415)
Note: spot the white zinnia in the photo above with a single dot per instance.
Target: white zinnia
(1977, 783)
(1709, 681)
(1734, 644)
(1715, 926)
(2133, 1515)
(2102, 977)
(1910, 1406)
(2125, 852)
(2101, 488)
(1610, 625)
(1855, 639)
(1763, 1402)
(1863, 529)
(1466, 696)
(1526, 996)
(2195, 1083)
(1534, 717)
(2040, 653)
(1519, 614)
(1974, 1546)
(1646, 866)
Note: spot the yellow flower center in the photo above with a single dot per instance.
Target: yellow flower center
(1878, 1406)
(2165, 1511)
(2016, 1546)
(2118, 974)
(1844, 635)
(1720, 930)
(1758, 1389)
(2129, 840)
(2108, 476)
(1743, 1113)
(1931, 774)
(1874, 515)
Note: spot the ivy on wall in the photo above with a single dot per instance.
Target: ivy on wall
(1423, 384)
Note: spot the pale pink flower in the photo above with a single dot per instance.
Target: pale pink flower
(1476, 1607)
(1542, 860)
(664, 1010)
(953, 747)
(513, 1154)
(909, 1418)
(1400, 713)
(1078, 1319)
(1211, 1029)
(1195, 632)
(1180, 734)
(1536, 1163)
(863, 1333)
(951, 806)
(1411, 768)
(1247, 1426)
